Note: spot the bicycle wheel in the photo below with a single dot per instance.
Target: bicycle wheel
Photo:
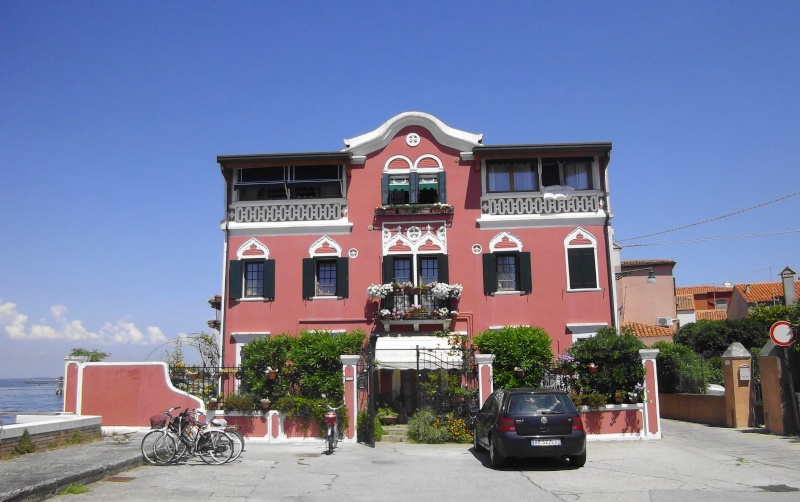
(215, 447)
(330, 440)
(238, 443)
(158, 447)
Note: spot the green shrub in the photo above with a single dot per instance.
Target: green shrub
(377, 426)
(516, 347)
(426, 427)
(24, 445)
(680, 369)
(595, 401)
(618, 361)
(241, 403)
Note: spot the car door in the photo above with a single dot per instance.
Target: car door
(485, 418)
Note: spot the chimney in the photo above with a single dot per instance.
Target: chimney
(789, 293)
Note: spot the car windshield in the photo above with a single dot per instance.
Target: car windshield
(537, 404)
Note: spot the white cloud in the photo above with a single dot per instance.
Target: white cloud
(121, 332)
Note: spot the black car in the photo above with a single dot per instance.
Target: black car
(525, 423)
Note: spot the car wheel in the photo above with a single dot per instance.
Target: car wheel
(495, 458)
(578, 460)
(475, 444)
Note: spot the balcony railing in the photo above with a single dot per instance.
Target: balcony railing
(413, 209)
(414, 309)
(540, 204)
(285, 211)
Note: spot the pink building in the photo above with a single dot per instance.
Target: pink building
(525, 229)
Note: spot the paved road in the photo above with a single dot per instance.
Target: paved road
(692, 462)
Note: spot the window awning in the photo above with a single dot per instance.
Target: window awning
(423, 186)
(398, 187)
(400, 352)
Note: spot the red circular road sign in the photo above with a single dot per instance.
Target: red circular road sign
(782, 333)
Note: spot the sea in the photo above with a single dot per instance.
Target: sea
(28, 396)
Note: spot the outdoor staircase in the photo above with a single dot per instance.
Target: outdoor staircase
(395, 433)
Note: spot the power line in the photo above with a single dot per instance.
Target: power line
(712, 239)
(709, 220)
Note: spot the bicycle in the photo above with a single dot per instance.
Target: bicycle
(159, 446)
(332, 429)
(231, 430)
(212, 444)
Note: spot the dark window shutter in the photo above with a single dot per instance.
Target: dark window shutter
(582, 273)
(269, 279)
(444, 273)
(442, 188)
(413, 188)
(342, 277)
(525, 279)
(235, 280)
(489, 273)
(388, 269)
(309, 278)
(385, 190)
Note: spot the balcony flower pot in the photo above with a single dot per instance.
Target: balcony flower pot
(272, 374)
(265, 404)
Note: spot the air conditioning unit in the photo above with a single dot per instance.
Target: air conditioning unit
(664, 321)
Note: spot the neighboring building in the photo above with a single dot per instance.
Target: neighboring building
(525, 229)
(650, 334)
(746, 296)
(645, 300)
(703, 302)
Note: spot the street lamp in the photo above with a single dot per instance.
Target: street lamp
(651, 277)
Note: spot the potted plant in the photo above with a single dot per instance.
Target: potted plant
(240, 403)
(620, 396)
(385, 314)
(211, 404)
(265, 404)
(386, 415)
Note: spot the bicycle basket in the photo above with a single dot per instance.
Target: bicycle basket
(158, 421)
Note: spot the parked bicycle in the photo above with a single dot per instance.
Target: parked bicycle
(179, 438)
(332, 426)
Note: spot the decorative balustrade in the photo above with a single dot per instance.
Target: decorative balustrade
(274, 212)
(413, 209)
(539, 204)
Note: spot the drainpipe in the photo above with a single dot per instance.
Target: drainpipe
(225, 282)
(606, 232)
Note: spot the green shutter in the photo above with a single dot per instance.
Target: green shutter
(388, 269)
(525, 279)
(342, 277)
(442, 188)
(413, 188)
(489, 273)
(385, 190)
(309, 278)
(444, 273)
(235, 280)
(269, 279)
(582, 274)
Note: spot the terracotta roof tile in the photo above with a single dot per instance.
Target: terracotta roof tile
(711, 315)
(684, 302)
(645, 330)
(699, 290)
(764, 291)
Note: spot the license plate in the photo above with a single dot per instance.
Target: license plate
(545, 442)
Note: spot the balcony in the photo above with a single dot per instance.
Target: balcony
(541, 204)
(413, 209)
(416, 308)
(288, 211)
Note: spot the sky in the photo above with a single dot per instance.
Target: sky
(113, 114)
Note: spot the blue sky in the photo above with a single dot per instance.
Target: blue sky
(113, 114)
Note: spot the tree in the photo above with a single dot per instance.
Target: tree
(710, 339)
(94, 355)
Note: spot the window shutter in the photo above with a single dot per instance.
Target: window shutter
(235, 280)
(525, 279)
(489, 273)
(388, 269)
(582, 273)
(444, 273)
(413, 188)
(442, 188)
(342, 277)
(269, 279)
(385, 190)
(309, 278)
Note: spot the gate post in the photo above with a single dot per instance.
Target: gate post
(737, 372)
(651, 424)
(485, 379)
(349, 374)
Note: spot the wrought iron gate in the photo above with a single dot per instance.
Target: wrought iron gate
(447, 381)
